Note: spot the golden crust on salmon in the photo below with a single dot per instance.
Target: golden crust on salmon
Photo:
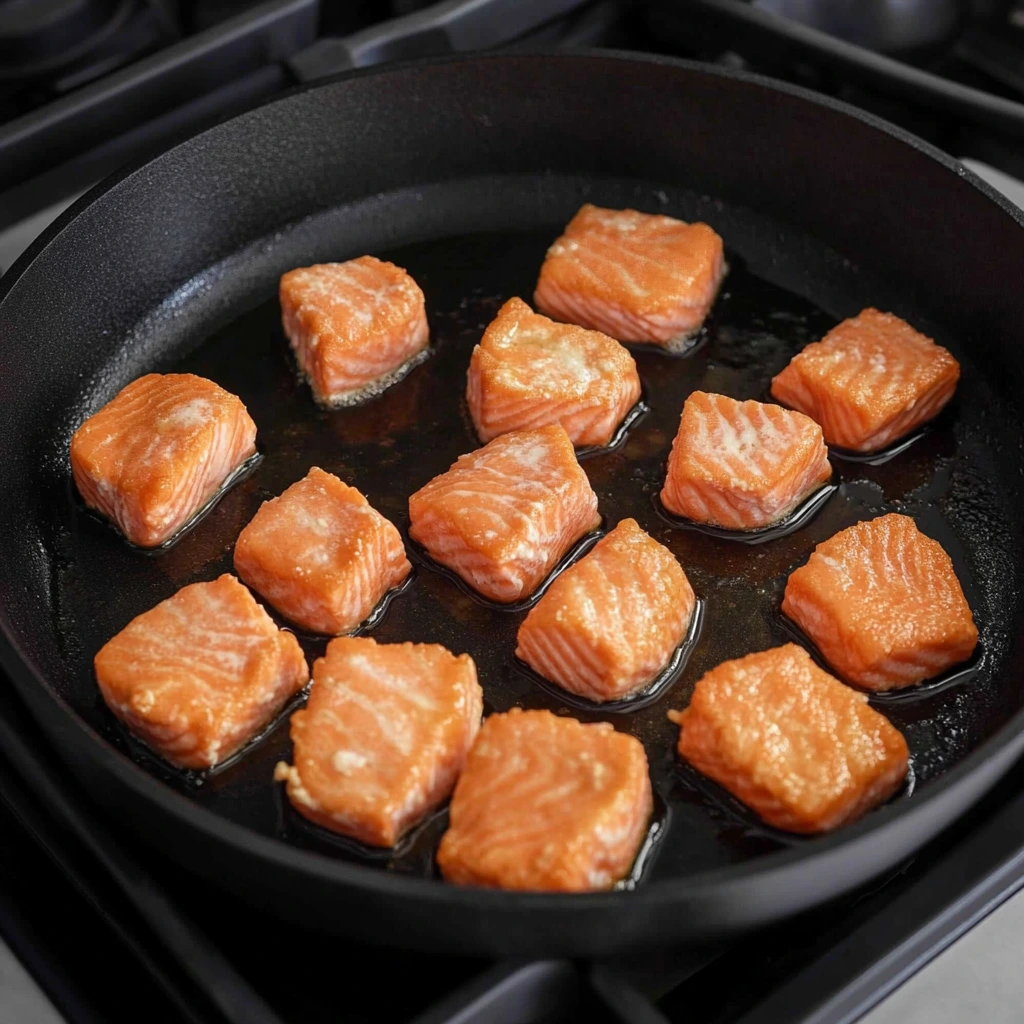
(200, 674)
(634, 276)
(504, 515)
(383, 737)
(742, 465)
(870, 381)
(157, 453)
(529, 371)
(355, 327)
(321, 554)
(547, 803)
(803, 751)
(883, 605)
(610, 623)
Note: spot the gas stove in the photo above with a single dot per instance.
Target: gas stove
(107, 925)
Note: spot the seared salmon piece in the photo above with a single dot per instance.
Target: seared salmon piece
(383, 737)
(870, 381)
(742, 465)
(356, 327)
(529, 371)
(547, 803)
(321, 554)
(504, 515)
(882, 603)
(196, 677)
(803, 751)
(635, 276)
(156, 454)
(610, 623)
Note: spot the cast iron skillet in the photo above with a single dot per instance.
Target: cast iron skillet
(464, 170)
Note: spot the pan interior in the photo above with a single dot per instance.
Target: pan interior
(471, 245)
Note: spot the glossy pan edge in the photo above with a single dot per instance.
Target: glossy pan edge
(339, 896)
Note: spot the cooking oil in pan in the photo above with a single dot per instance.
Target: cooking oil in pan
(947, 479)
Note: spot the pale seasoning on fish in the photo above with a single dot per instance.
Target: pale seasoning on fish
(803, 751)
(611, 622)
(870, 381)
(504, 515)
(547, 804)
(742, 465)
(196, 677)
(355, 327)
(321, 554)
(634, 276)
(883, 604)
(382, 738)
(529, 371)
(156, 455)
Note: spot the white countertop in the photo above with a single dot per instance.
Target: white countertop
(21, 999)
(978, 979)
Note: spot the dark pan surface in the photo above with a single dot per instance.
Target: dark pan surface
(464, 171)
(394, 444)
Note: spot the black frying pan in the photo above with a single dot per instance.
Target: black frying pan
(464, 170)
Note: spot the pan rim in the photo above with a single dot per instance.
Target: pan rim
(133, 167)
(776, 867)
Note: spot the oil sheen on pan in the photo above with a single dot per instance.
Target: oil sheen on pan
(392, 445)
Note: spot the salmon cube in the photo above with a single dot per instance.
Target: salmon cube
(196, 677)
(799, 748)
(742, 465)
(383, 737)
(157, 454)
(547, 803)
(503, 516)
(529, 371)
(356, 327)
(610, 623)
(883, 605)
(870, 381)
(321, 554)
(635, 276)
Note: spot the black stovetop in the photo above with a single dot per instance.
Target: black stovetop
(113, 932)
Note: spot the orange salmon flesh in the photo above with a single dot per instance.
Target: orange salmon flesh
(870, 381)
(529, 371)
(742, 465)
(633, 276)
(803, 751)
(321, 555)
(547, 803)
(383, 737)
(200, 674)
(610, 623)
(504, 515)
(355, 327)
(156, 454)
(882, 603)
